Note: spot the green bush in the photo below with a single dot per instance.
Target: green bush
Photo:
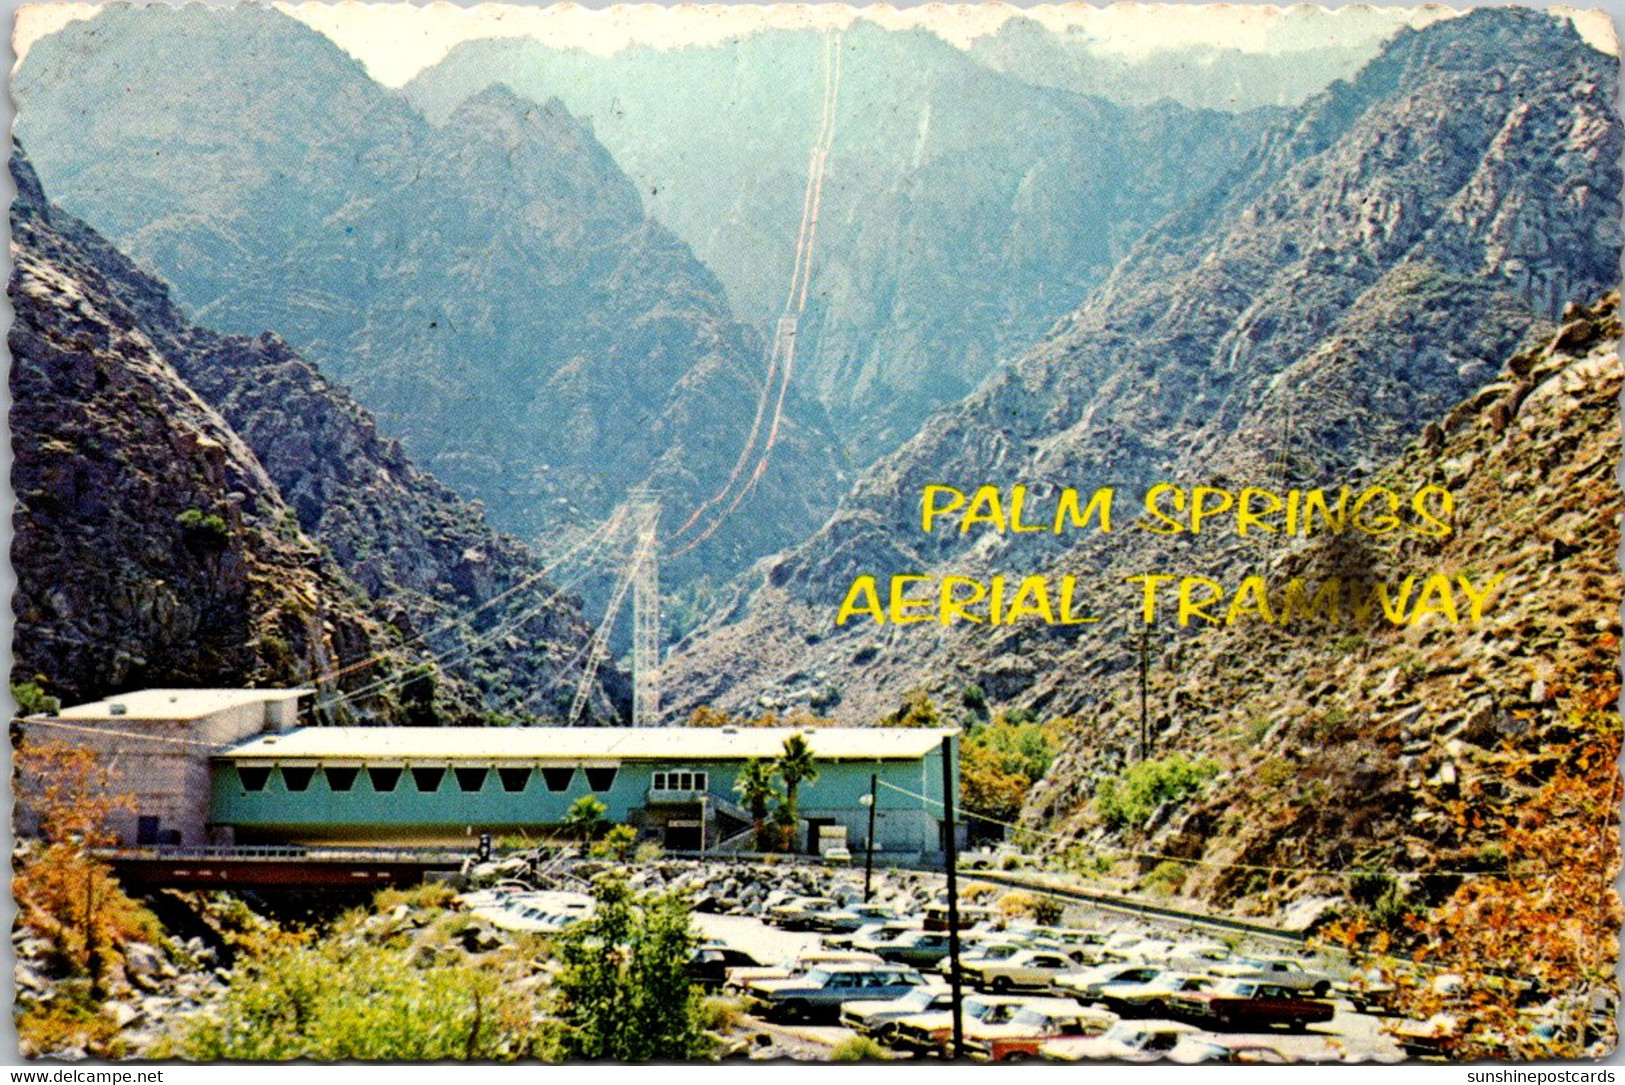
(1128, 801)
(206, 525)
(858, 1049)
(32, 700)
(625, 993)
(1165, 878)
(348, 1000)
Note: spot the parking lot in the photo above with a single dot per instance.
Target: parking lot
(1348, 1036)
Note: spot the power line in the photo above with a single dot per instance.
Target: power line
(512, 623)
(465, 615)
(784, 335)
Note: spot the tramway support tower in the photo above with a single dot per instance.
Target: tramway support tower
(645, 522)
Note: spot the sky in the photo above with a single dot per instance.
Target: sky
(396, 41)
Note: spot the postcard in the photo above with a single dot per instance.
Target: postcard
(991, 533)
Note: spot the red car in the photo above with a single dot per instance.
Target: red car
(1249, 1005)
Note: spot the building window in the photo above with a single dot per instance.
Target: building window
(600, 779)
(254, 779)
(471, 779)
(681, 781)
(515, 779)
(340, 779)
(558, 779)
(428, 779)
(297, 779)
(383, 780)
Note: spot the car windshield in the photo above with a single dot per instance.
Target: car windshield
(1038, 1022)
(978, 1011)
(918, 1000)
(1127, 1035)
(817, 976)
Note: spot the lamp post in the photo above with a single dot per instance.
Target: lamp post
(869, 800)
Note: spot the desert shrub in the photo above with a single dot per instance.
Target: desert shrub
(204, 525)
(1128, 801)
(429, 895)
(345, 999)
(31, 699)
(616, 844)
(721, 1014)
(1165, 878)
(858, 1049)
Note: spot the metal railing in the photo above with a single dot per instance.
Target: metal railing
(281, 853)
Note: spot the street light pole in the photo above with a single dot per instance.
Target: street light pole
(869, 856)
(952, 847)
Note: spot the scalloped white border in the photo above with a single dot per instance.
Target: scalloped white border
(395, 41)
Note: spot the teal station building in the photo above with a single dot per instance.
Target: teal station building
(673, 785)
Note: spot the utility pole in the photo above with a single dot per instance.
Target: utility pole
(869, 856)
(954, 980)
(645, 611)
(1145, 715)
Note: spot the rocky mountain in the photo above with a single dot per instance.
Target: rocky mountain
(963, 210)
(1311, 49)
(259, 528)
(1366, 266)
(1354, 749)
(491, 288)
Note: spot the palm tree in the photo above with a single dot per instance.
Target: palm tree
(796, 766)
(756, 787)
(585, 816)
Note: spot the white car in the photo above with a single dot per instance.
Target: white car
(1029, 969)
(1126, 1041)
(1280, 971)
(1092, 985)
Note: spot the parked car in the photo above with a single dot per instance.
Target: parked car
(1126, 1041)
(923, 949)
(796, 913)
(1030, 969)
(868, 937)
(818, 993)
(740, 979)
(1280, 971)
(1092, 984)
(1197, 956)
(929, 1033)
(1249, 1006)
(878, 1018)
(1038, 1023)
(1143, 951)
(936, 916)
(852, 918)
(711, 962)
(1152, 998)
(987, 951)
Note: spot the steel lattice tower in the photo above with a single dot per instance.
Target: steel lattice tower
(645, 612)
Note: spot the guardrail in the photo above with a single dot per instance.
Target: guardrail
(282, 853)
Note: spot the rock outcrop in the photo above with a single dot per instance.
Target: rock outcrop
(1368, 265)
(491, 289)
(263, 530)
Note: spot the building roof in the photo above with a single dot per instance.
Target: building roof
(588, 743)
(176, 704)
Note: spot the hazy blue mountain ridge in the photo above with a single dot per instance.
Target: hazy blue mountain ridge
(491, 289)
(133, 427)
(963, 209)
